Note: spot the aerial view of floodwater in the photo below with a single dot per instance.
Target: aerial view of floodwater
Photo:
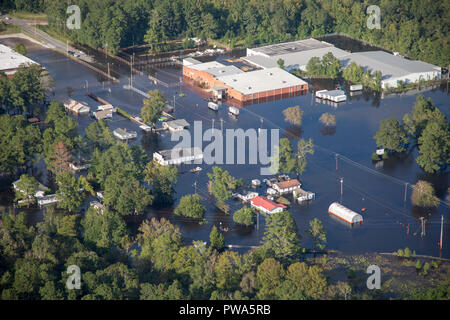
(390, 222)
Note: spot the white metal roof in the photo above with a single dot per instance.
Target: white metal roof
(224, 71)
(261, 61)
(289, 47)
(345, 213)
(390, 66)
(10, 59)
(207, 65)
(261, 80)
(298, 59)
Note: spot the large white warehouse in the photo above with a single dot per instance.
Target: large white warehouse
(393, 68)
(344, 213)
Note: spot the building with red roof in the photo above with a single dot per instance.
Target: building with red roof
(267, 206)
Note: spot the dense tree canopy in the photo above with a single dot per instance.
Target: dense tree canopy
(417, 28)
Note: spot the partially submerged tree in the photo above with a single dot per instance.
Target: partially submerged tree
(303, 148)
(190, 206)
(391, 135)
(153, 107)
(328, 119)
(423, 195)
(293, 115)
(162, 179)
(216, 239)
(244, 216)
(434, 146)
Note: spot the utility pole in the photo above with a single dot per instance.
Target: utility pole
(195, 186)
(257, 220)
(173, 103)
(406, 191)
(342, 181)
(442, 230)
(212, 127)
(423, 220)
(336, 155)
(131, 71)
(221, 125)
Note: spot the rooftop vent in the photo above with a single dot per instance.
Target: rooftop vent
(269, 73)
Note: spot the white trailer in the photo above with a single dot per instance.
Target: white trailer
(213, 106)
(345, 213)
(356, 87)
(233, 111)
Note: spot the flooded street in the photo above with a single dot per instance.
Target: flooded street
(379, 189)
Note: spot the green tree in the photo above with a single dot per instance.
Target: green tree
(20, 48)
(280, 63)
(190, 206)
(303, 148)
(125, 194)
(20, 142)
(317, 234)
(280, 236)
(269, 276)
(391, 135)
(105, 229)
(162, 179)
(69, 194)
(309, 280)
(98, 135)
(423, 195)
(285, 156)
(222, 183)
(216, 239)
(244, 216)
(153, 106)
(27, 186)
(434, 147)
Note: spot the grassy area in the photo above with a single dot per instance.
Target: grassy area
(28, 15)
(8, 29)
(400, 278)
(53, 34)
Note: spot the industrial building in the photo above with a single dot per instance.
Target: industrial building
(393, 68)
(233, 82)
(295, 54)
(10, 60)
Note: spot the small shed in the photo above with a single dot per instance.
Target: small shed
(123, 134)
(175, 125)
